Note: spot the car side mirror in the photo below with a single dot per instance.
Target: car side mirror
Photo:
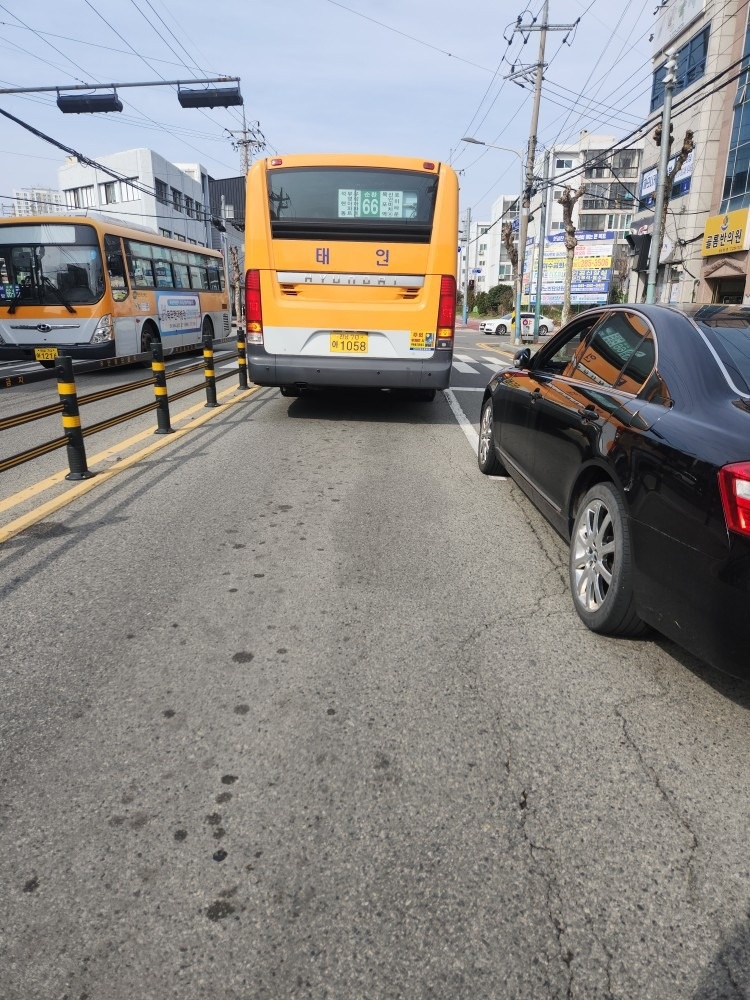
(522, 358)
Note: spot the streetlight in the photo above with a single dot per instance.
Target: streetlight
(522, 229)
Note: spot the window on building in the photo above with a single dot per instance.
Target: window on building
(594, 222)
(482, 247)
(691, 65)
(82, 197)
(198, 210)
(176, 200)
(189, 207)
(162, 191)
(109, 192)
(128, 192)
(563, 164)
(736, 180)
(165, 232)
(180, 238)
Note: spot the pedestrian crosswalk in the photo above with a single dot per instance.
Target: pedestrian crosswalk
(467, 365)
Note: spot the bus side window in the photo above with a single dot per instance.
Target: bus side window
(116, 267)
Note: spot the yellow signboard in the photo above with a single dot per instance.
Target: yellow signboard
(726, 233)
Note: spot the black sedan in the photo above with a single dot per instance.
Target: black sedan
(630, 431)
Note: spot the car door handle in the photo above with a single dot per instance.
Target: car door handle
(588, 414)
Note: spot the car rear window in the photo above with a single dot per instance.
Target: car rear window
(730, 338)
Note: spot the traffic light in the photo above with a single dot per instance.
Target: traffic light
(639, 250)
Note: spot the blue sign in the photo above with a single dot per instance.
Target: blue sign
(476, 270)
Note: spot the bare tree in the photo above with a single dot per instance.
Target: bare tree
(236, 280)
(687, 148)
(510, 246)
(568, 199)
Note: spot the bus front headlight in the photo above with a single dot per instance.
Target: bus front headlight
(105, 330)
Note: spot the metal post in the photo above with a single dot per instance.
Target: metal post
(467, 235)
(540, 260)
(520, 258)
(71, 420)
(242, 358)
(160, 389)
(661, 177)
(208, 356)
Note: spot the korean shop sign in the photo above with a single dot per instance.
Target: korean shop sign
(726, 233)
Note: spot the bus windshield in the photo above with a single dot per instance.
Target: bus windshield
(351, 203)
(43, 265)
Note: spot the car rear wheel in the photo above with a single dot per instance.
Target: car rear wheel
(289, 390)
(543, 330)
(601, 564)
(487, 458)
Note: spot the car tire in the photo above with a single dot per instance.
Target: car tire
(600, 564)
(289, 390)
(487, 458)
(543, 330)
(501, 329)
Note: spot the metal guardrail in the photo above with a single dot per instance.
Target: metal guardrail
(70, 402)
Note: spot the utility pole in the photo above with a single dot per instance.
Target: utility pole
(661, 177)
(523, 73)
(252, 141)
(467, 236)
(542, 236)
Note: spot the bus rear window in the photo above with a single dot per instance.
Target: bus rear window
(351, 203)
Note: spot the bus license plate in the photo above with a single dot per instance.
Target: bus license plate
(45, 353)
(348, 343)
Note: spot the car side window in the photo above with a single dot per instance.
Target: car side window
(562, 360)
(619, 354)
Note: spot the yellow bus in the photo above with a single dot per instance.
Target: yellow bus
(351, 272)
(89, 288)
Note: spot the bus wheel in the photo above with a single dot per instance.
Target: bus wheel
(207, 329)
(289, 390)
(424, 395)
(149, 334)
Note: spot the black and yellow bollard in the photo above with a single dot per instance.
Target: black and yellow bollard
(164, 425)
(242, 358)
(208, 364)
(71, 420)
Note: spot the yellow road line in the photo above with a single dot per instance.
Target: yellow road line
(497, 350)
(83, 487)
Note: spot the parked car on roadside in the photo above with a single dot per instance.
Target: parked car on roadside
(630, 431)
(503, 325)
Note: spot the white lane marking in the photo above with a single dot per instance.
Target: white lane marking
(465, 424)
(463, 421)
(229, 364)
(465, 369)
(468, 388)
(464, 357)
(492, 367)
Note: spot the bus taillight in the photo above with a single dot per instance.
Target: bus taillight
(446, 312)
(253, 312)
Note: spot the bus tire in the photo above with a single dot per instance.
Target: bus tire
(207, 329)
(149, 334)
(424, 395)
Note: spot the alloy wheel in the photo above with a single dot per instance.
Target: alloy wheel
(594, 554)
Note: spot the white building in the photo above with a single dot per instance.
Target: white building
(168, 198)
(38, 201)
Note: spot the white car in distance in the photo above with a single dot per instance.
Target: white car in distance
(503, 325)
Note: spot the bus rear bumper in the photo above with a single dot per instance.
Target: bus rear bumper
(362, 373)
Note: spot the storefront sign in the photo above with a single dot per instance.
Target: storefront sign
(647, 189)
(592, 268)
(727, 233)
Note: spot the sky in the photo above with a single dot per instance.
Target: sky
(400, 77)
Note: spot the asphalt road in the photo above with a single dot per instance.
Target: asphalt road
(299, 707)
